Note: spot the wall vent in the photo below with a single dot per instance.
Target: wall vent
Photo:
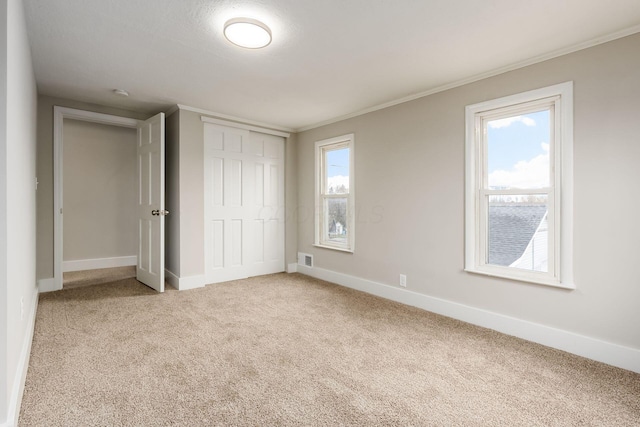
(305, 259)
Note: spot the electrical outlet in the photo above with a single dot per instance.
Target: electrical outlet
(21, 308)
(403, 280)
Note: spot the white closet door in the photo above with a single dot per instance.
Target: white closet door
(244, 203)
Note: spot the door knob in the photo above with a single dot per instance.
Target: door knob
(164, 212)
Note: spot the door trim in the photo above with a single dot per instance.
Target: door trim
(59, 114)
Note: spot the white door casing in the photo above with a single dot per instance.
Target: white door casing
(150, 156)
(244, 203)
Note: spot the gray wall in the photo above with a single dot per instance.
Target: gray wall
(172, 194)
(99, 191)
(409, 177)
(18, 98)
(45, 173)
(191, 194)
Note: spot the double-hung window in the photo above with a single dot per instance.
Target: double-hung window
(334, 219)
(519, 186)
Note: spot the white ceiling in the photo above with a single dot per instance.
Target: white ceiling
(328, 58)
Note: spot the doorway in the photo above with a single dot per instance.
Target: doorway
(71, 117)
(99, 198)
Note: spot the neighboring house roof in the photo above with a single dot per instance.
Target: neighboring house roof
(511, 228)
(536, 256)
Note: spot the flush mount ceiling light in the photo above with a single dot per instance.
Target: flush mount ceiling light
(121, 92)
(247, 32)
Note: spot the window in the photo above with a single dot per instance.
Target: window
(519, 187)
(335, 193)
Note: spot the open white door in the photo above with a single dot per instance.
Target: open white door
(150, 268)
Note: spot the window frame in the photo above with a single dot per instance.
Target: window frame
(343, 141)
(560, 191)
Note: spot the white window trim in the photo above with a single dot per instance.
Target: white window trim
(348, 140)
(562, 156)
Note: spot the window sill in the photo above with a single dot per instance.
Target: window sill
(524, 278)
(317, 245)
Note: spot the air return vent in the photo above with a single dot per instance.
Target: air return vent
(305, 259)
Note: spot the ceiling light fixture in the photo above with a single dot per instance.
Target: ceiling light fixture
(121, 92)
(247, 32)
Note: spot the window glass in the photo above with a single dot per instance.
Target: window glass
(518, 151)
(336, 217)
(518, 232)
(337, 171)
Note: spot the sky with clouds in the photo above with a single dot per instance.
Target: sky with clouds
(338, 168)
(518, 151)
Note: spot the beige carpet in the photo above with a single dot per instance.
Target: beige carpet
(77, 279)
(287, 350)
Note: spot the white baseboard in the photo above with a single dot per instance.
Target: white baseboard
(15, 399)
(48, 285)
(591, 348)
(184, 283)
(292, 268)
(94, 264)
(171, 279)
